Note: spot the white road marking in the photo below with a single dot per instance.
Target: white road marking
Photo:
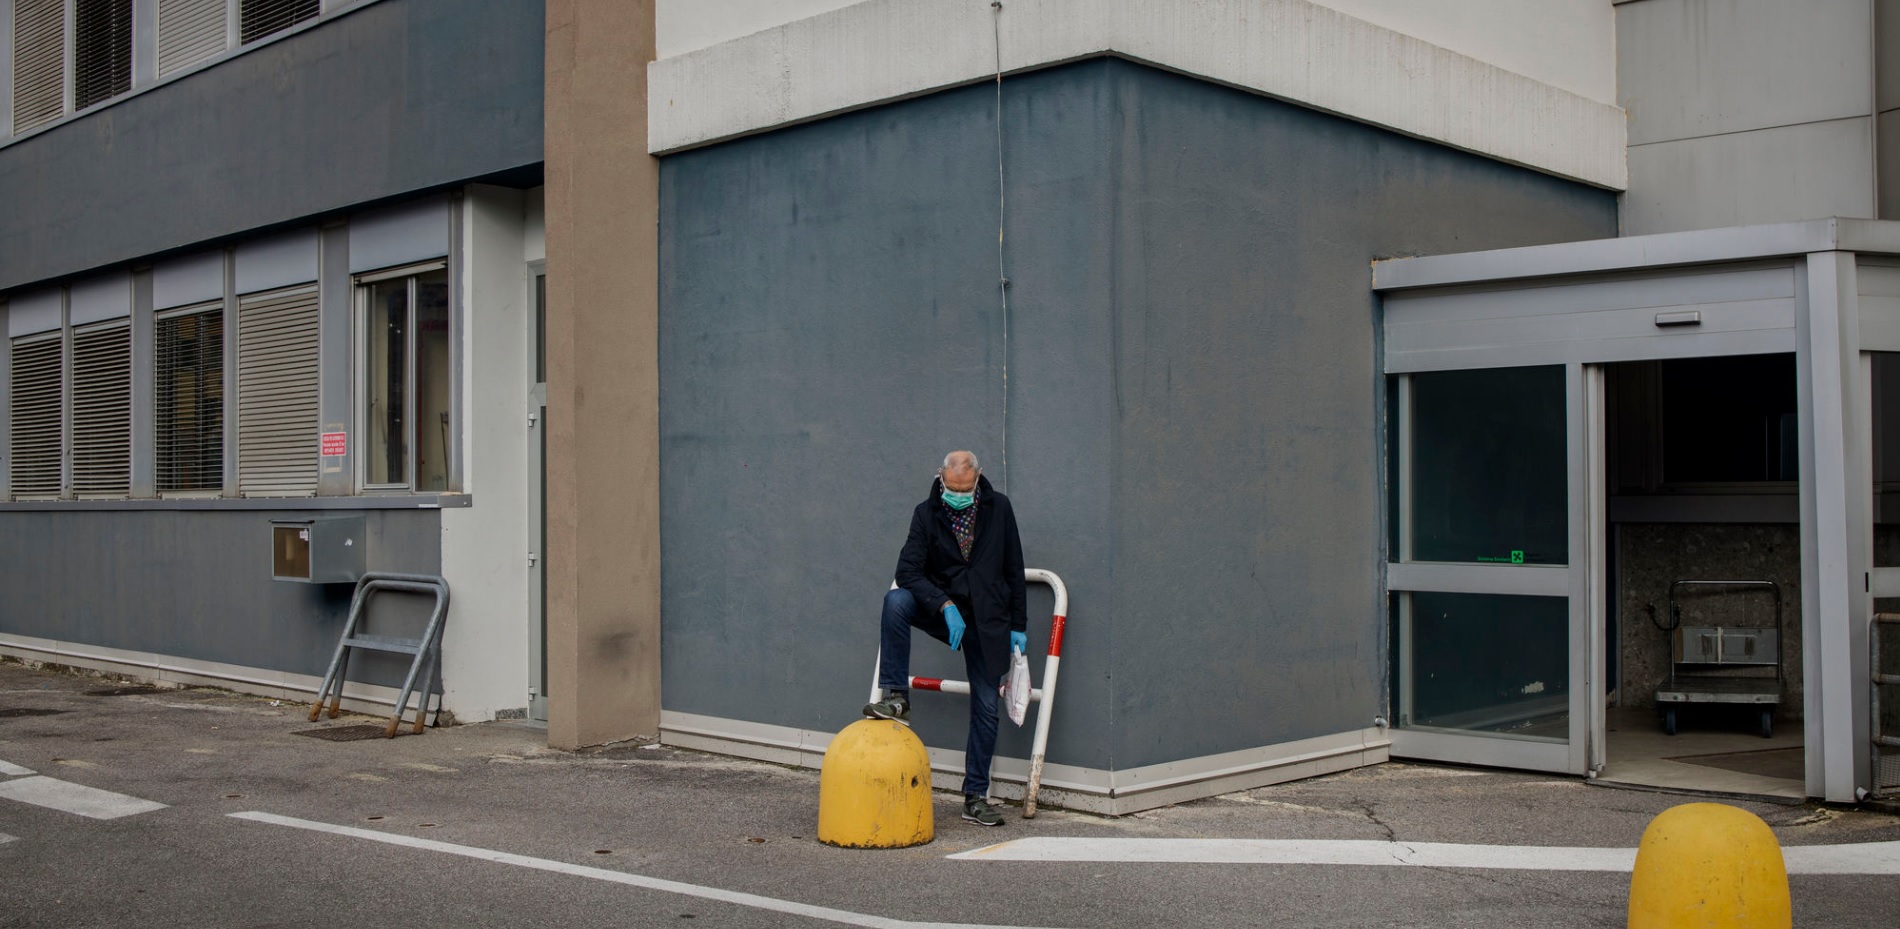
(4, 838)
(75, 798)
(1864, 858)
(14, 770)
(755, 901)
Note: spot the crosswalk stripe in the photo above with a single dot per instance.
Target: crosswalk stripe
(13, 770)
(73, 798)
(4, 838)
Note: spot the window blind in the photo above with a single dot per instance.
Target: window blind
(37, 395)
(39, 62)
(189, 31)
(102, 412)
(277, 393)
(259, 18)
(102, 50)
(189, 419)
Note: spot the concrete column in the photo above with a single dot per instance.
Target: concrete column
(603, 505)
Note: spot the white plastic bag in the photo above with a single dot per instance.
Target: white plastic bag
(1016, 687)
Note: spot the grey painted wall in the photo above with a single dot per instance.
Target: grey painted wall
(1193, 430)
(397, 97)
(197, 584)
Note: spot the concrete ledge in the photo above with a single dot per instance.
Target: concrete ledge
(372, 699)
(1090, 790)
(885, 50)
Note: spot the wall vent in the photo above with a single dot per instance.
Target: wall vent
(189, 31)
(102, 412)
(39, 62)
(36, 406)
(277, 393)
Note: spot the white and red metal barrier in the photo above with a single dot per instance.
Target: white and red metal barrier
(1044, 697)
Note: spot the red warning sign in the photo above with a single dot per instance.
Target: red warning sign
(336, 444)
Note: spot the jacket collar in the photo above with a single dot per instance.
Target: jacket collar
(984, 493)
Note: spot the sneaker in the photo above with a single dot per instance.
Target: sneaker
(978, 810)
(895, 706)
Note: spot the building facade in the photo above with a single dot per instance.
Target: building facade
(644, 324)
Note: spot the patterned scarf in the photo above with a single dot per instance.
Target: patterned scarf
(963, 523)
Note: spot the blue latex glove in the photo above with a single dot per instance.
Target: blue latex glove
(954, 620)
(1019, 642)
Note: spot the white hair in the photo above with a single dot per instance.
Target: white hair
(970, 455)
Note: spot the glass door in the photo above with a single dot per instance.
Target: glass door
(1491, 555)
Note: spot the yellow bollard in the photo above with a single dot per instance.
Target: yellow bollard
(1709, 866)
(874, 788)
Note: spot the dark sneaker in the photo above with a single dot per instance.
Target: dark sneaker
(978, 810)
(895, 706)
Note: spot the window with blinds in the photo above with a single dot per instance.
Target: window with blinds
(102, 412)
(259, 18)
(35, 402)
(102, 50)
(189, 31)
(189, 418)
(278, 426)
(39, 62)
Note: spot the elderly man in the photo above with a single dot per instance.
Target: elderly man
(959, 579)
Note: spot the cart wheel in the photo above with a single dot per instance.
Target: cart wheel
(1669, 721)
(1767, 723)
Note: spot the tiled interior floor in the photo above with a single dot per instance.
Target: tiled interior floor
(1639, 754)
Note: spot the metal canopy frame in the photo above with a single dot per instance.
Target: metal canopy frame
(1827, 291)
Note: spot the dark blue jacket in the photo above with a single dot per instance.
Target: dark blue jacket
(988, 588)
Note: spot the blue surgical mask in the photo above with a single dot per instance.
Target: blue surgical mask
(959, 501)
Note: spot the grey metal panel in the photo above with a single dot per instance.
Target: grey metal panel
(1592, 320)
(29, 313)
(6, 416)
(184, 281)
(1886, 54)
(6, 73)
(144, 388)
(1888, 156)
(336, 475)
(277, 261)
(100, 298)
(1879, 285)
(192, 584)
(395, 98)
(144, 43)
(1692, 68)
(1192, 441)
(399, 235)
(1762, 176)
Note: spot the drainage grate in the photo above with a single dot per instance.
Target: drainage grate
(345, 733)
(24, 711)
(126, 691)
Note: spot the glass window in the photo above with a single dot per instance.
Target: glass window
(1483, 663)
(1489, 470)
(406, 371)
(189, 414)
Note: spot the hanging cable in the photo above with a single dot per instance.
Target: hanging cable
(1002, 201)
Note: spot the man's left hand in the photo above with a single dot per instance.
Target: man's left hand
(1019, 642)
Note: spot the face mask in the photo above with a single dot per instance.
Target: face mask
(959, 501)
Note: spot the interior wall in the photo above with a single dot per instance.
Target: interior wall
(1650, 556)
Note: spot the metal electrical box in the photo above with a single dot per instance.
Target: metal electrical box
(328, 550)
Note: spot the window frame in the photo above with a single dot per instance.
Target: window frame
(361, 284)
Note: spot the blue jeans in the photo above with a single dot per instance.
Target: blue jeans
(900, 614)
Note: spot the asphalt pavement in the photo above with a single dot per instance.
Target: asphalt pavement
(482, 825)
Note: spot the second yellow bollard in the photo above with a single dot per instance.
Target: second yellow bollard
(874, 788)
(1709, 866)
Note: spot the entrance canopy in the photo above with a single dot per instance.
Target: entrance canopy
(1498, 570)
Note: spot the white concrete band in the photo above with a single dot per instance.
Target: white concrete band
(885, 50)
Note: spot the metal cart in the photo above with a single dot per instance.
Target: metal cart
(1700, 652)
